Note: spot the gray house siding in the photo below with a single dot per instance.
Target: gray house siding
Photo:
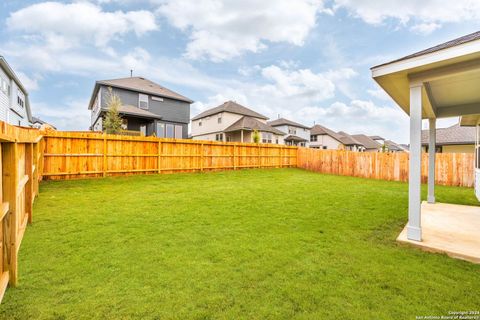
(172, 111)
(168, 109)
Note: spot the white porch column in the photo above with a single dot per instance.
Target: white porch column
(414, 229)
(431, 160)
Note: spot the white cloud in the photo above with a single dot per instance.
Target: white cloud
(379, 93)
(426, 16)
(31, 83)
(63, 26)
(221, 30)
(425, 28)
(71, 115)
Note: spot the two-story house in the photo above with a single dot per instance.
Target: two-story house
(324, 138)
(146, 107)
(14, 103)
(296, 134)
(232, 122)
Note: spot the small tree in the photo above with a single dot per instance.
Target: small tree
(112, 122)
(256, 136)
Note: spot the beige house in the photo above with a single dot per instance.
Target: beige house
(454, 139)
(232, 122)
(324, 138)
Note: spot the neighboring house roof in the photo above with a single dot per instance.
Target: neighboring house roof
(367, 141)
(41, 122)
(232, 107)
(249, 123)
(376, 138)
(451, 135)
(9, 71)
(283, 121)
(341, 137)
(392, 146)
(137, 112)
(452, 43)
(292, 137)
(406, 147)
(138, 84)
(348, 140)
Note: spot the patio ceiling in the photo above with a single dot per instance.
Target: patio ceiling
(450, 78)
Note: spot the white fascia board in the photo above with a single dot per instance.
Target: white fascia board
(437, 56)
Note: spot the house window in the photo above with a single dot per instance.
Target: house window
(324, 147)
(170, 131)
(266, 137)
(229, 139)
(20, 101)
(219, 119)
(313, 138)
(276, 141)
(5, 86)
(292, 131)
(219, 137)
(160, 130)
(142, 101)
(200, 123)
(178, 132)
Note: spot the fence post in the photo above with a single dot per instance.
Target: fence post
(10, 189)
(258, 156)
(29, 186)
(234, 157)
(159, 161)
(201, 157)
(104, 167)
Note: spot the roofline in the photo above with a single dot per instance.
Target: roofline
(402, 64)
(451, 143)
(299, 125)
(13, 75)
(242, 114)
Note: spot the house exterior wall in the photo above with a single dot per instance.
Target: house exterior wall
(325, 140)
(210, 124)
(10, 111)
(460, 148)
(297, 131)
(172, 111)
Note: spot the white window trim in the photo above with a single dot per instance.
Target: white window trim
(143, 98)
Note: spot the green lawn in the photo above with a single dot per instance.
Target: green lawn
(252, 244)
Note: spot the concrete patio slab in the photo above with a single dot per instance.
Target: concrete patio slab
(449, 228)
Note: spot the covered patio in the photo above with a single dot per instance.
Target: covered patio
(439, 82)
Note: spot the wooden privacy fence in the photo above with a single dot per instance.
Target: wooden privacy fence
(20, 167)
(453, 169)
(78, 155)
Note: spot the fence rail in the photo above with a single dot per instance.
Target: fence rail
(28, 155)
(453, 169)
(79, 155)
(20, 167)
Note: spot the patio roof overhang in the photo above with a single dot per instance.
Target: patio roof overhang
(450, 80)
(439, 82)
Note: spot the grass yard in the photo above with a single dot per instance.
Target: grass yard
(251, 244)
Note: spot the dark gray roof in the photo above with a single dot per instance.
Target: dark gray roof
(292, 137)
(367, 142)
(249, 123)
(283, 121)
(232, 107)
(452, 43)
(455, 134)
(137, 84)
(141, 84)
(376, 138)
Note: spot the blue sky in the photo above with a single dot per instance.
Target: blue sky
(307, 60)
